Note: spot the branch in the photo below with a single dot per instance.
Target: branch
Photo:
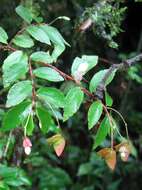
(123, 65)
(68, 77)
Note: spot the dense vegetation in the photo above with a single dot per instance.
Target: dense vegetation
(70, 103)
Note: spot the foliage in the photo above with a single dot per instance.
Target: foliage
(48, 109)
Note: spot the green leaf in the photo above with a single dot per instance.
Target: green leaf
(23, 40)
(24, 13)
(98, 77)
(94, 113)
(108, 99)
(102, 132)
(73, 101)
(85, 169)
(15, 66)
(41, 56)
(84, 64)
(57, 40)
(29, 125)
(3, 36)
(54, 35)
(39, 34)
(48, 74)
(51, 96)
(19, 92)
(58, 50)
(13, 118)
(45, 120)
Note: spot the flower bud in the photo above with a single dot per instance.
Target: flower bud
(27, 145)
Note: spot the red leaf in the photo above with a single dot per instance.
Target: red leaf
(59, 148)
(58, 143)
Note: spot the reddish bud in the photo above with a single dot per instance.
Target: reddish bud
(27, 145)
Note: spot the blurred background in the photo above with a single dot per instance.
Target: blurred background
(79, 168)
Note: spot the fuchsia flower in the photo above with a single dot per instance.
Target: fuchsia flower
(27, 145)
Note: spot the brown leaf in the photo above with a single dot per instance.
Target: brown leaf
(124, 149)
(111, 159)
(85, 25)
(109, 155)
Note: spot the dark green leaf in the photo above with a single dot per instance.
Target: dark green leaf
(15, 66)
(48, 74)
(13, 117)
(94, 113)
(19, 92)
(23, 40)
(29, 125)
(45, 120)
(41, 56)
(108, 99)
(98, 77)
(3, 36)
(102, 132)
(24, 13)
(51, 96)
(73, 101)
(39, 34)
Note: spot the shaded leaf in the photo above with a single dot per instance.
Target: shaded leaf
(108, 99)
(98, 77)
(102, 132)
(29, 125)
(24, 13)
(94, 113)
(13, 117)
(45, 120)
(3, 36)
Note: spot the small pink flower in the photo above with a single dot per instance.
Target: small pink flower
(27, 145)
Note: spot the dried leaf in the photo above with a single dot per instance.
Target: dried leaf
(109, 155)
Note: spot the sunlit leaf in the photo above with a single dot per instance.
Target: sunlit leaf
(73, 100)
(15, 66)
(19, 92)
(48, 74)
(23, 40)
